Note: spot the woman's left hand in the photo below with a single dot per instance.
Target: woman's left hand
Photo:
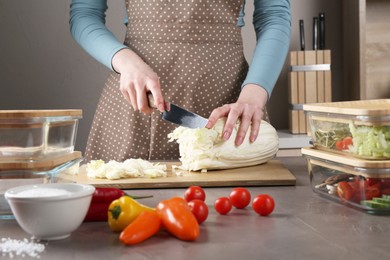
(249, 108)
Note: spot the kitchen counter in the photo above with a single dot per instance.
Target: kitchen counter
(303, 226)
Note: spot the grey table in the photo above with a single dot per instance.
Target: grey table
(303, 226)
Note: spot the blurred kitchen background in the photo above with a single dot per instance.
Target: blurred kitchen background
(41, 67)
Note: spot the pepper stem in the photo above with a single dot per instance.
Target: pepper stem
(116, 211)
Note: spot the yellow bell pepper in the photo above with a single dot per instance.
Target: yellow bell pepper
(123, 211)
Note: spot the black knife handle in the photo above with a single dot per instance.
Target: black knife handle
(315, 33)
(322, 31)
(302, 34)
(151, 100)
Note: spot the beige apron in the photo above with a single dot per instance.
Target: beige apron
(195, 47)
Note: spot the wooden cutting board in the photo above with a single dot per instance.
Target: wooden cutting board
(273, 173)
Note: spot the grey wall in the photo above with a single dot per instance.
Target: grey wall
(41, 67)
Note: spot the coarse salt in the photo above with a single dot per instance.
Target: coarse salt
(42, 192)
(20, 248)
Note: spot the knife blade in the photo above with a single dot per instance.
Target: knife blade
(180, 116)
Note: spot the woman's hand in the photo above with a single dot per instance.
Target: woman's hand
(249, 108)
(136, 79)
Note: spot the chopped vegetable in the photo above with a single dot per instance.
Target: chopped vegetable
(127, 169)
(371, 141)
(205, 149)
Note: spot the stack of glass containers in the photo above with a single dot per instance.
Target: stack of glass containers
(36, 146)
(349, 161)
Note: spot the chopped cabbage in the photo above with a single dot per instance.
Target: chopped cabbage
(370, 141)
(129, 168)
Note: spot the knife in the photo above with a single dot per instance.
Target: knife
(180, 116)
(302, 34)
(315, 33)
(321, 32)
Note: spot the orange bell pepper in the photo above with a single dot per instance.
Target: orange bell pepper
(177, 218)
(145, 225)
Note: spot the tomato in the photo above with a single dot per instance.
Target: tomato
(339, 144)
(194, 192)
(344, 143)
(345, 190)
(240, 197)
(263, 204)
(372, 181)
(347, 141)
(370, 188)
(386, 191)
(385, 183)
(199, 209)
(223, 205)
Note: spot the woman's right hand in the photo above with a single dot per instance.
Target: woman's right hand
(136, 79)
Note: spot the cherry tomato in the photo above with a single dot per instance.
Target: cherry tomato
(386, 191)
(345, 190)
(385, 183)
(339, 144)
(263, 204)
(370, 188)
(373, 181)
(199, 209)
(347, 141)
(240, 197)
(194, 192)
(344, 143)
(223, 205)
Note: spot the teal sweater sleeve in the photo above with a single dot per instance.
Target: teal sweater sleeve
(272, 23)
(87, 26)
(271, 19)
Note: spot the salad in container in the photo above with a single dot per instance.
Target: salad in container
(356, 183)
(357, 128)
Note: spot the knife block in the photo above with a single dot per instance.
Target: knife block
(309, 81)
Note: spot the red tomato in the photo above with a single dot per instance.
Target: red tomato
(194, 192)
(385, 182)
(199, 209)
(223, 205)
(347, 141)
(344, 143)
(372, 181)
(345, 191)
(240, 197)
(339, 145)
(263, 204)
(386, 191)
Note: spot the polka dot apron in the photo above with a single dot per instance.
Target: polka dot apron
(195, 47)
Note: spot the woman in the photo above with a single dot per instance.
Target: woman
(188, 52)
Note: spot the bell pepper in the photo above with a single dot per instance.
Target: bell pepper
(177, 218)
(144, 226)
(101, 200)
(123, 211)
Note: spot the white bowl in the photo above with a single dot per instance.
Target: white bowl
(50, 211)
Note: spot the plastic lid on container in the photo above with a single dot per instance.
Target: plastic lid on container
(367, 168)
(42, 165)
(374, 107)
(16, 114)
